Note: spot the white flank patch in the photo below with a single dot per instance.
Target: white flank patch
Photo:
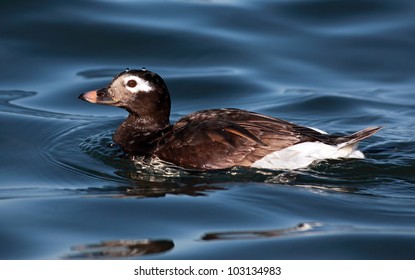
(304, 154)
(142, 85)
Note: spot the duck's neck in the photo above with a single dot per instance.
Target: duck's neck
(139, 135)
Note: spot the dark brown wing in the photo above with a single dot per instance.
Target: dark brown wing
(216, 139)
(206, 145)
(222, 138)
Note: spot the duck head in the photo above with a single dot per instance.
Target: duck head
(142, 93)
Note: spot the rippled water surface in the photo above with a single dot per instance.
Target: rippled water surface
(66, 192)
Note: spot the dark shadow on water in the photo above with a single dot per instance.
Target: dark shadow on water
(301, 228)
(328, 177)
(132, 249)
(152, 189)
(123, 249)
(120, 249)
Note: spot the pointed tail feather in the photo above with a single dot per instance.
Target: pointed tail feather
(345, 141)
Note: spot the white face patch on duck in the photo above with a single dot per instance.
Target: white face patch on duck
(135, 84)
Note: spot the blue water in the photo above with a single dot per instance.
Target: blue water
(67, 193)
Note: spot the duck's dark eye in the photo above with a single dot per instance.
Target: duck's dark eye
(132, 83)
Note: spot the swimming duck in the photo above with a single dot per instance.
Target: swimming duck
(216, 138)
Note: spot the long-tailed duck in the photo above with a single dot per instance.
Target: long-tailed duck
(216, 138)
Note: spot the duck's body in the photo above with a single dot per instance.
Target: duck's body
(217, 138)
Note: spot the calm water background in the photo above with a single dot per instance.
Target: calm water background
(65, 192)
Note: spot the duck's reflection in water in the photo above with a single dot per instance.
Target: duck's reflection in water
(151, 189)
(201, 190)
(119, 249)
